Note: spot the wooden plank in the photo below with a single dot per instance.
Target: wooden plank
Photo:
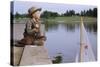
(17, 55)
(34, 55)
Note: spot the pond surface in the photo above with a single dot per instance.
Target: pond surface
(63, 39)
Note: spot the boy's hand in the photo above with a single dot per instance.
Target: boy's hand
(36, 30)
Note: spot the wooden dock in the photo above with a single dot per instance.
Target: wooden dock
(31, 55)
(17, 53)
(34, 55)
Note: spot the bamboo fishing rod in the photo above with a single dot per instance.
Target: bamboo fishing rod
(81, 41)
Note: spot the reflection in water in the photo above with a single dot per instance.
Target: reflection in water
(90, 27)
(69, 27)
(65, 39)
(51, 26)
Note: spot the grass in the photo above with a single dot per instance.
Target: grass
(72, 19)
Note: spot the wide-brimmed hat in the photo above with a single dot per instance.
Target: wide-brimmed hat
(33, 10)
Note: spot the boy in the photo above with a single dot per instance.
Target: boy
(32, 29)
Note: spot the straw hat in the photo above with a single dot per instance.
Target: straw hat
(33, 10)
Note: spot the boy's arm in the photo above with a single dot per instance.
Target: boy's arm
(29, 30)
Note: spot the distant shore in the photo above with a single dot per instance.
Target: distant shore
(71, 19)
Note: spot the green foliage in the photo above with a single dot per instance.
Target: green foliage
(58, 59)
(17, 15)
(49, 14)
(90, 12)
(69, 13)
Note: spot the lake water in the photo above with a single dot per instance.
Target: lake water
(63, 39)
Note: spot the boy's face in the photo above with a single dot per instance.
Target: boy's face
(37, 15)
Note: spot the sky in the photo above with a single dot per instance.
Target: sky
(23, 6)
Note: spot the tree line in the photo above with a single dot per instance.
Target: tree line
(50, 14)
(90, 13)
(18, 15)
